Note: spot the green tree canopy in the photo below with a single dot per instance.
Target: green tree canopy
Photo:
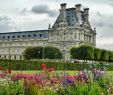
(42, 52)
(110, 56)
(104, 55)
(75, 53)
(97, 54)
(82, 52)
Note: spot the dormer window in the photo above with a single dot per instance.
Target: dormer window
(8, 37)
(34, 35)
(29, 35)
(13, 36)
(3, 37)
(18, 36)
(40, 35)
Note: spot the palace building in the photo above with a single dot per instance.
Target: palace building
(71, 28)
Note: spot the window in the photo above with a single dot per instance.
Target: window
(40, 35)
(75, 36)
(34, 35)
(14, 56)
(29, 35)
(9, 56)
(3, 37)
(5, 56)
(18, 36)
(79, 36)
(8, 37)
(20, 57)
(13, 36)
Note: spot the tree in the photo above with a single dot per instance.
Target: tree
(104, 55)
(75, 52)
(42, 52)
(97, 54)
(83, 52)
(33, 53)
(52, 53)
(110, 56)
(86, 52)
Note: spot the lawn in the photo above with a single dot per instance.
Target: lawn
(108, 73)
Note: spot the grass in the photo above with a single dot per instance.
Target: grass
(108, 73)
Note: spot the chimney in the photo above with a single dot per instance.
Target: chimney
(86, 14)
(78, 7)
(78, 13)
(63, 6)
(63, 13)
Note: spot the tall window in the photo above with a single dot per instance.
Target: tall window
(75, 36)
(79, 36)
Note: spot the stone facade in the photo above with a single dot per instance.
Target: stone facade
(71, 28)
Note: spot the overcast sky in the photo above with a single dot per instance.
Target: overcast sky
(19, 15)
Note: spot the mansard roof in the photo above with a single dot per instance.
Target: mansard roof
(35, 34)
(25, 31)
(71, 17)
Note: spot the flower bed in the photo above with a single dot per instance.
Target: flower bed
(49, 82)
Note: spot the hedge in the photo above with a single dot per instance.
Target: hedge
(36, 65)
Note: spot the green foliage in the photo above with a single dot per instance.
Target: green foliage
(97, 54)
(84, 52)
(52, 53)
(75, 53)
(83, 89)
(10, 88)
(87, 52)
(34, 65)
(110, 56)
(42, 52)
(104, 55)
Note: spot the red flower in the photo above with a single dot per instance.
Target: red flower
(43, 66)
(52, 68)
(9, 71)
(49, 69)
